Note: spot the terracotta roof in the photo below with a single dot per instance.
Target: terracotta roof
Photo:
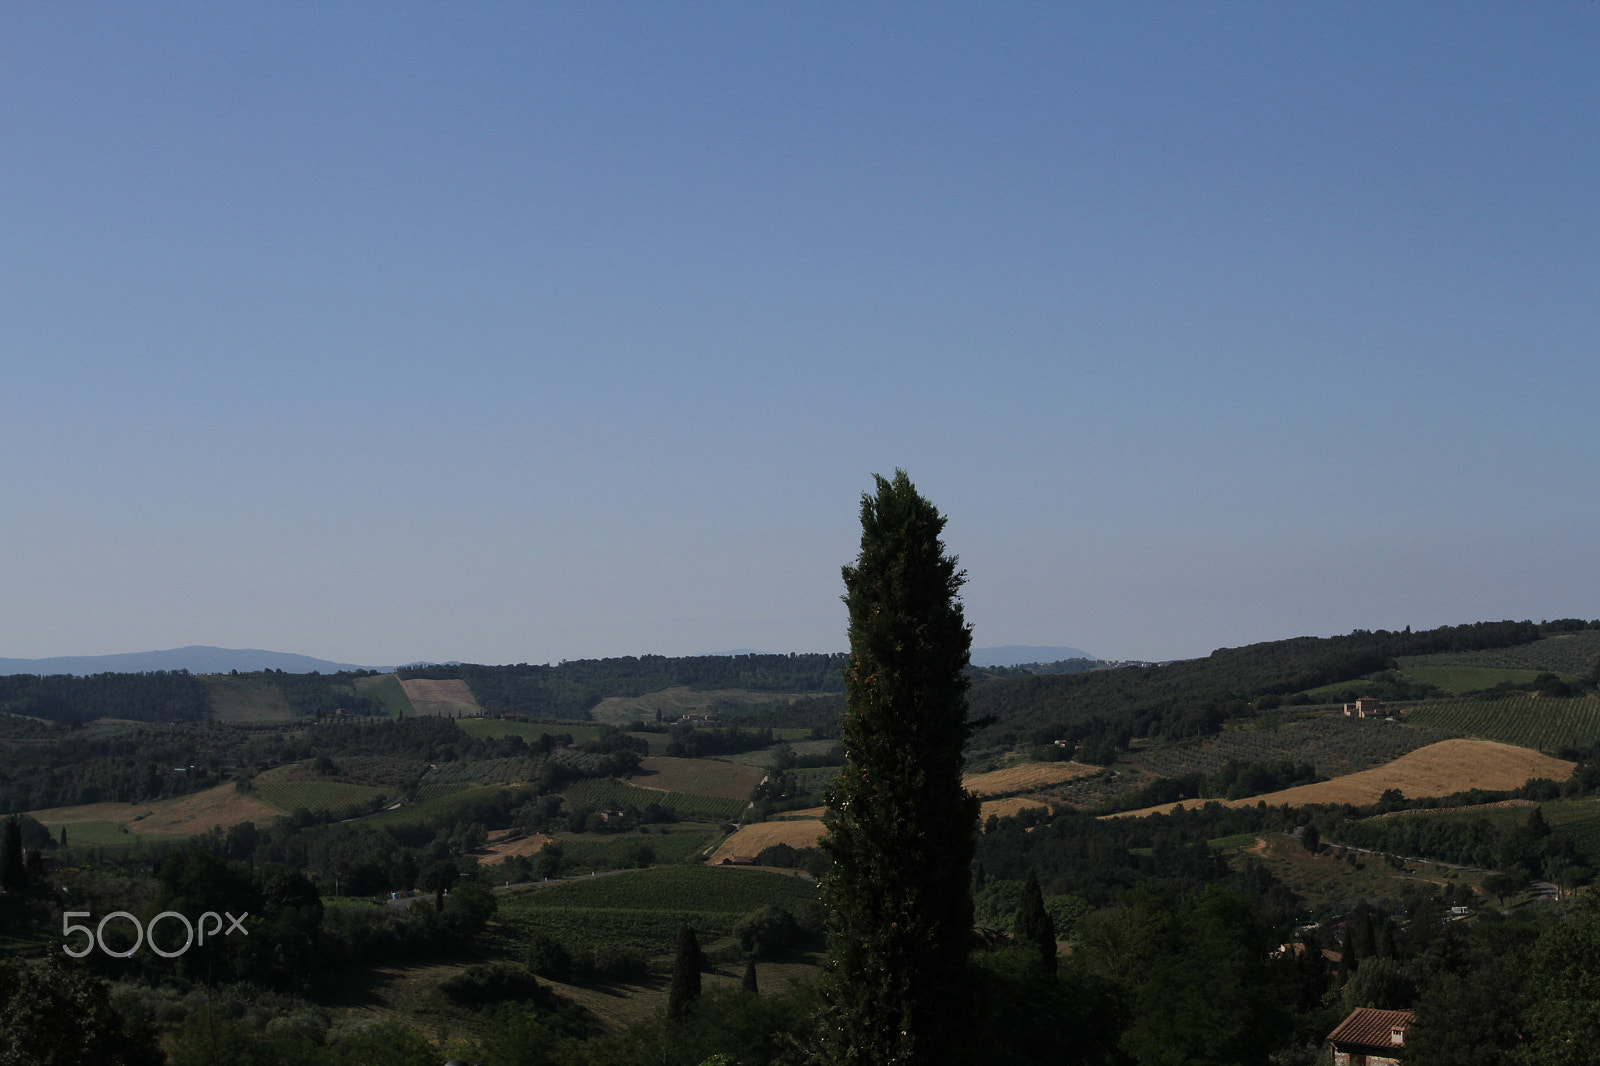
(1371, 1028)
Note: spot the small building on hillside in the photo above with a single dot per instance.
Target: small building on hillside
(1365, 707)
(1370, 1037)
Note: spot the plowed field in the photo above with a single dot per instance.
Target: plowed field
(440, 697)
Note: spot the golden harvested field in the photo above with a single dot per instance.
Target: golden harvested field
(802, 829)
(1026, 777)
(187, 814)
(1005, 808)
(440, 697)
(1440, 769)
(800, 833)
(699, 777)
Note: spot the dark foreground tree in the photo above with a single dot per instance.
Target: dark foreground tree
(686, 965)
(59, 1014)
(900, 824)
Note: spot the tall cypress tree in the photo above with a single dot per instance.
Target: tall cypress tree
(13, 867)
(749, 983)
(686, 963)
(899, 824)
(1033, 923)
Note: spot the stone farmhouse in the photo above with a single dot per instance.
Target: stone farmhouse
(1370, 1037)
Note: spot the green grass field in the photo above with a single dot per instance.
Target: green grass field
(440, 809)
(669, 844)
(611, 794)
(1463, 680)
(112, 835)
(1540, 723)
(642, 910)
(245, 699)
(316, 795)
(387, 691)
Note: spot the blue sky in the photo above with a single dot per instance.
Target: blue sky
(517, 332)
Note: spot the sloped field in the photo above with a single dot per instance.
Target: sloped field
(749, 840)
(291, 795)
(1527, 721)
(1565, 653)
(701, 777)
(182, 816)
(1025, 778)
(447, 698)
(611, 794)
(1438, 770)
(245, 699)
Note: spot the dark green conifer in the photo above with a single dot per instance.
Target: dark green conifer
(900, 824)
(13, 864)
(1366, 935)
(1033, 924)
(1387, 948)
(686, 963)
(749, 982)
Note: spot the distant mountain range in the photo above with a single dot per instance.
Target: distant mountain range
(197, 659)
(1015, 654)
(202, 659)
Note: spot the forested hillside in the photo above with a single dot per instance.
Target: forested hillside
(1195, 696)
(571, 689)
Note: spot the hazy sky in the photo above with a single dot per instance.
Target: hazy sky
(514, 332)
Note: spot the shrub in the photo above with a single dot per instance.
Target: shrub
(492, 982)
(549, 957)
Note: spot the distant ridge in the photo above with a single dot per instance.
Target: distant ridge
(1015, 654)
(197, 659)
(1004, 655)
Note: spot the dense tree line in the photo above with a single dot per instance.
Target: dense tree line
(690, 741)
(160, 696)
(570, 689)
